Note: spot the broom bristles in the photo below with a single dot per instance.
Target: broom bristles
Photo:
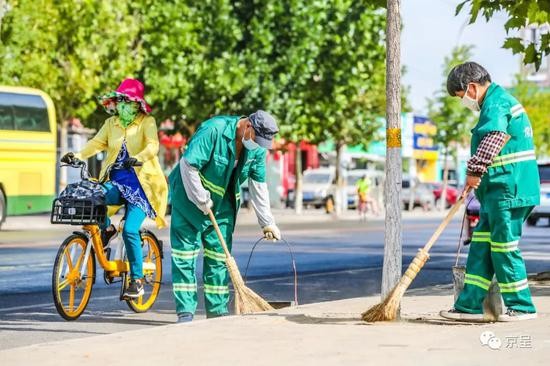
(246, 300)
(387, 310)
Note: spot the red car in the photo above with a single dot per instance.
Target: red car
(452, 194)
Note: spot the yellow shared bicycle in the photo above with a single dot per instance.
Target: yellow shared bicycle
(74, 271)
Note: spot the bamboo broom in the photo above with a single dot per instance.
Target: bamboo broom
(246, 300)
(387, 310)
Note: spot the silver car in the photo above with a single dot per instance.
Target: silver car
(422, 194)
(542, 210)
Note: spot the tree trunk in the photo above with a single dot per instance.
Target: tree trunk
(443, 198)
(298, 195)
(391, 272)
(339, 187)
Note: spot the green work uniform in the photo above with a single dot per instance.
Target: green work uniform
(507, 193)
(212, 151)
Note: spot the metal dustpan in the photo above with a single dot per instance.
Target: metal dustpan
(278, 304)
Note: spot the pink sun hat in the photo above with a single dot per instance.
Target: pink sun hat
(131, 90)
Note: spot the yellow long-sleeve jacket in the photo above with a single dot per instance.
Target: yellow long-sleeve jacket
(142, 143)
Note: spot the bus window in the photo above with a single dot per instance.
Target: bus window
(29, 112)
(27, 151)
(6, 117)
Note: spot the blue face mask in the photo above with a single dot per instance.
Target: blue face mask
(249, 144)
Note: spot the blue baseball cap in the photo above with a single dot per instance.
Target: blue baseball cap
(265, 127)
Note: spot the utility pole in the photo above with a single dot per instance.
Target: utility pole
(391, 271)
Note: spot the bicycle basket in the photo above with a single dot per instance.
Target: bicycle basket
(81, 203)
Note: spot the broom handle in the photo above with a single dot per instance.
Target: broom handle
(219, 233)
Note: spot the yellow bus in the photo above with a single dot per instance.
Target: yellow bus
(27, 151)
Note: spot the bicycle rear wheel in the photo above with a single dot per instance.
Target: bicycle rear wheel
(152, 273)
(72, 289)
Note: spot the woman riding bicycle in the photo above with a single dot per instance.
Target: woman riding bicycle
(136, 179)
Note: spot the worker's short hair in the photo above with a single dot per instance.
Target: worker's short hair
(464, 74)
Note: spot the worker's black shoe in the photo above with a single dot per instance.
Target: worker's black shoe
(454, 314)
(516, 315)
(134, 289)
(108, 234)
(213, 315)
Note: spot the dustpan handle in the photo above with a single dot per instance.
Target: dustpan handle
(291, 253)
(219, 233)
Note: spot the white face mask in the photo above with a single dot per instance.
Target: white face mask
(249, 144)
(470, 103)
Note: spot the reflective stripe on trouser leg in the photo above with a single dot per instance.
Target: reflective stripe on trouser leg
(215, 276)
(506, 230)
(185, 242)
(479, 270)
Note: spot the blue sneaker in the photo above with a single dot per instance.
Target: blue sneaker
(185, 317)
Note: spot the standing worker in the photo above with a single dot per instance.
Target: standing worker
(503, 170)
(224, 152)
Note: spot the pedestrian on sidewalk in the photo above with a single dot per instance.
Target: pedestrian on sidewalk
(503, 171)
(363, 186)
(224, 152)
(129, 137)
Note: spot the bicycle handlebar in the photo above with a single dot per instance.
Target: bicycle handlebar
(85, 174)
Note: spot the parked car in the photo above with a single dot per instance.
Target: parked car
(377, 181)
(452, 194)
(422, 194)
(317, 188)
(542, 210)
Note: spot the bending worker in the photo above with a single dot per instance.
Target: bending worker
(224, 152)
(503, 170)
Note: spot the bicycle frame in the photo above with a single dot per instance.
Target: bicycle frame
(115, 267)
(118, 265)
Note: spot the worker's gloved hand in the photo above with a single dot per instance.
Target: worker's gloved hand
(130, 162)
(68, 158)
(272, 232)
(206, 207)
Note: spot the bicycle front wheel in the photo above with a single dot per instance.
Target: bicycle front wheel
(152, 273)
(72, 279)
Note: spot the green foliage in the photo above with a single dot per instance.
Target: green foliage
(520, 13)
(74, 51)
(347, 91)
(453, 120)
(536, 102)
(317, 65)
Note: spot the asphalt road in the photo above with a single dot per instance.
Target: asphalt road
(335, 260)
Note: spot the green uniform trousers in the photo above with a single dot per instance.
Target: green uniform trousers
(186, 243)
(494, 251)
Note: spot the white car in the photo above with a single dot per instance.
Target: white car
(317, 187)
(542, 210)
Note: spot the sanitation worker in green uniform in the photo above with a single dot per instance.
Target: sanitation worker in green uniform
(224, 152)
(503, 171)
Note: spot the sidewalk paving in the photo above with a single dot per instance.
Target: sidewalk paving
(329, 333)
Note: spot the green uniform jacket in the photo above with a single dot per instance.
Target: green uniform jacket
(212, 150)
(513, 178)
